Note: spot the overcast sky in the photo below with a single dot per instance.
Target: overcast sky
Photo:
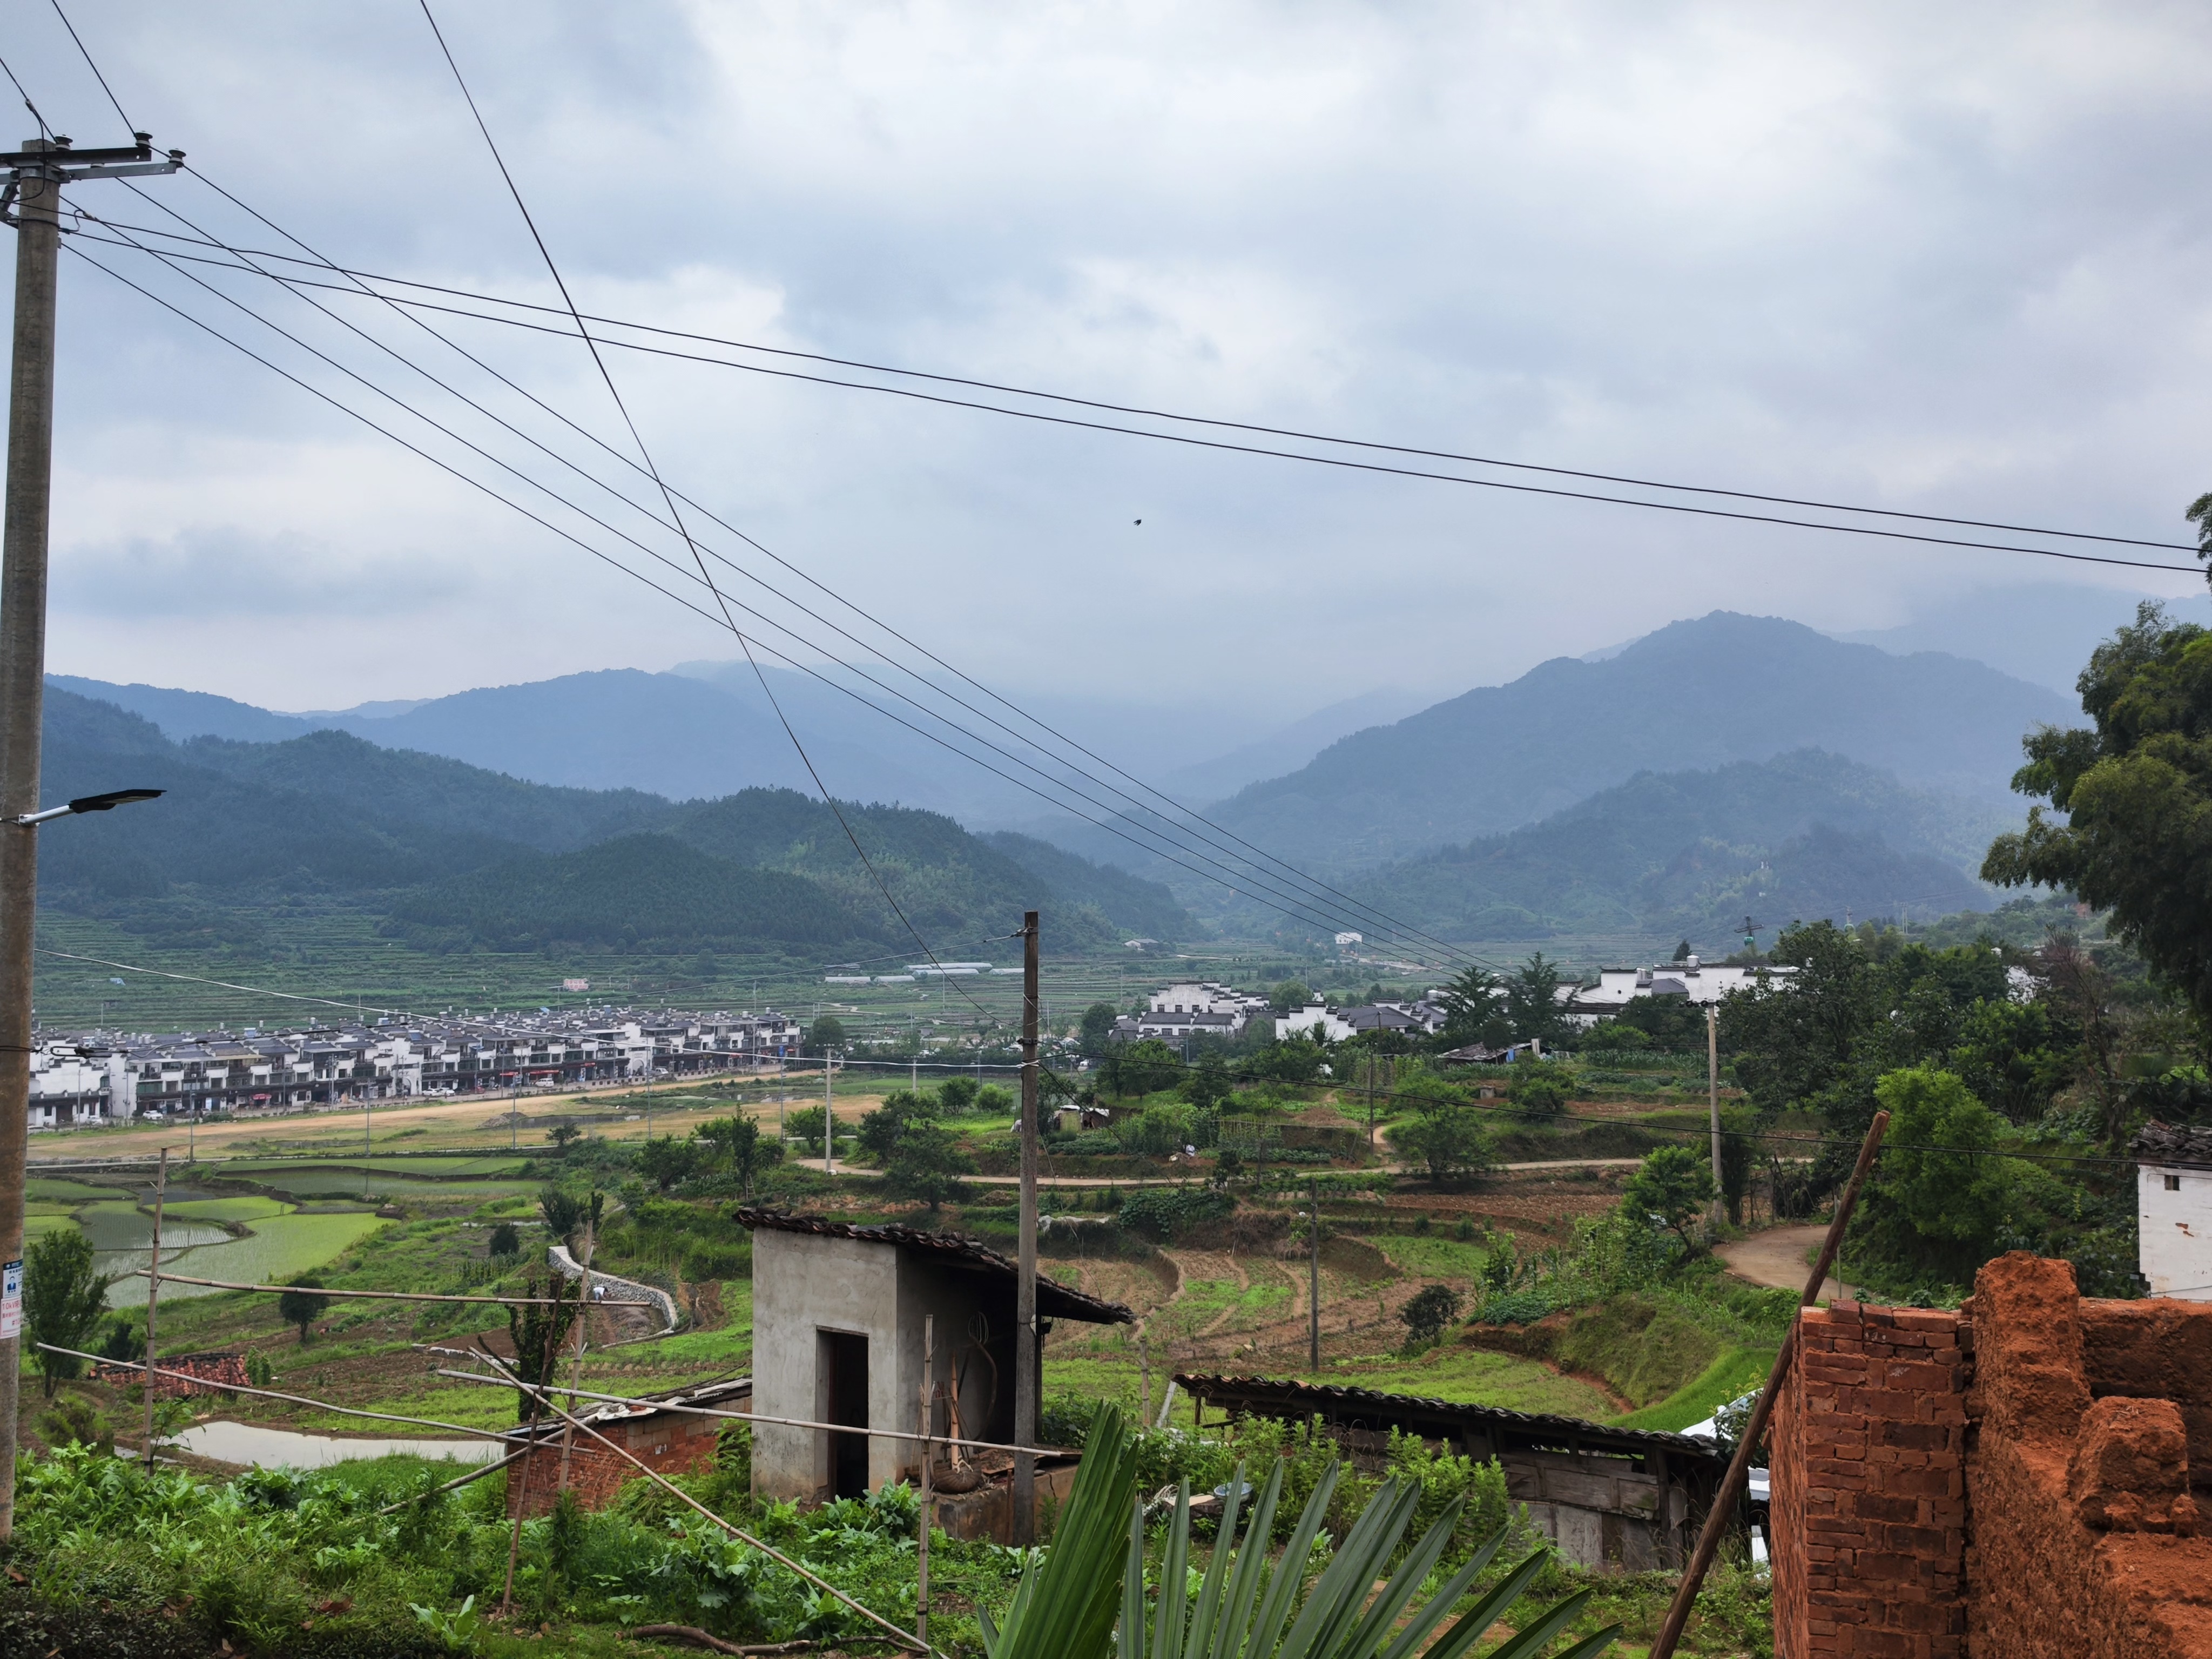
(1950, 259)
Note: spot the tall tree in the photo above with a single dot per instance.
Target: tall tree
(1533, 1007)
(64, 1298)
(303, 1303)
(1474, 1006)
(1098, 1029)
(2136, 787)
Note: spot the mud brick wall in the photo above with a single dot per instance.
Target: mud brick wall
(2094, 1421)
(668, 1442)
(1868, 1450)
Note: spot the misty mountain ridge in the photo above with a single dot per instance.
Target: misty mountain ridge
(705, 730)
(471, 856)
(1803, 836)
(1692, 695)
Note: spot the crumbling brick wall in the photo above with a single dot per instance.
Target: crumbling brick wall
(2019, 1479)
(668, 1442)
(1867, 1448)
(2083, 1520)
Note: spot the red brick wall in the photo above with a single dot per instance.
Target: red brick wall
(2080, 1484)
(1867, 1447)
(2048, 1510)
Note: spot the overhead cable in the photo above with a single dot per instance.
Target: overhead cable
(1255, 427)
(1363, 914)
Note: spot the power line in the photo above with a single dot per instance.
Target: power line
(44, 131)
(1372, 918)
(1259, 429)
(129, 125)
(646, 455)
(1364, 913)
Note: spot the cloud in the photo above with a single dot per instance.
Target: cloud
(1951, 261)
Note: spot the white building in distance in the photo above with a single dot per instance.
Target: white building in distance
(2173, 1177)
(1700, 982)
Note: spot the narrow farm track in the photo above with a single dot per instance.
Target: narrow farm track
(1778, 1258)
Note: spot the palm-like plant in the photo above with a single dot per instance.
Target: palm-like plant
(1245, 1610)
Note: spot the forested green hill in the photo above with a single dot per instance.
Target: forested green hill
(440, 847)
(1805, 835)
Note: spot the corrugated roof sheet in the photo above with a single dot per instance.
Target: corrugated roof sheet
(1331, 1400)
(1054, 1300)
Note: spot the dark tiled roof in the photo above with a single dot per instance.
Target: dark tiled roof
(1283, 1395)
(2171, 1143)
(1054, 1300)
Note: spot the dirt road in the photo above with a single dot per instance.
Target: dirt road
(1782, 1257)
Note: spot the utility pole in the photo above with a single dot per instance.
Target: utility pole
(37, 173)
(1025, 1328)
(1713, 1101)
(829, 1114)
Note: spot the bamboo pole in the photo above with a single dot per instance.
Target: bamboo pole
(381, 1296)
(153, 1294)
(752, 1417)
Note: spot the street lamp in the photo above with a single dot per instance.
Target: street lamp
(107, 802)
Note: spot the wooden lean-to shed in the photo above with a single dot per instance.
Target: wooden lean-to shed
(838, 1317)
(1621, 1500)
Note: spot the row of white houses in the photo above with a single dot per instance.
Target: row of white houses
(82, 1077)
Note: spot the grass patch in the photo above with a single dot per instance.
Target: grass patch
(1736, 1372)
(1645, 1348)
(1478, 1376)
(1432, 1255)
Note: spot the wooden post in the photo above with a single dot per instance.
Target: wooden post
(153, 1294)
(1025, 1330)
(1313, 1292)
(1739, 1468)
(928, 1451)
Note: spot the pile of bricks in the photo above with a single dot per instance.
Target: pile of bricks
(1868, 1448)
(208, 1373)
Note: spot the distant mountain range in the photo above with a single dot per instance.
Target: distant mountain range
(707, 730)
(458, 855)
(1692, 695)
(1720, 765)
(2040, 632)
(1690, 854)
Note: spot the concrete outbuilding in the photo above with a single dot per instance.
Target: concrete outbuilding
(838, 1316)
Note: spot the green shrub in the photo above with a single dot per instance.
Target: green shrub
(1165, 1213)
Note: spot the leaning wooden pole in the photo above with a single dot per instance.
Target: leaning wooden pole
(1739, 1468)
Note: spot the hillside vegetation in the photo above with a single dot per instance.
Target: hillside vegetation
(453, 855)
(1694, 695)
(1808, 833)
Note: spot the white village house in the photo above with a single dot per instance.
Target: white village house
(2173, 1178)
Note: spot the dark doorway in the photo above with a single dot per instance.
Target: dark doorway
(845, 1368)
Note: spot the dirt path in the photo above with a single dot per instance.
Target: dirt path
(1779, 1257)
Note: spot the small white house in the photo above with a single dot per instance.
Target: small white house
(2173, 1174)
(838, 1315)
(1302, 1023)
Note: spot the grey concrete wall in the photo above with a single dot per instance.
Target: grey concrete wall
(804, 1284)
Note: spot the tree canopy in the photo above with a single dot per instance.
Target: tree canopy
(64, 1298)
(2136, 787)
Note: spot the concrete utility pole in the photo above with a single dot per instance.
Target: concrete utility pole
(36, 174)
(1025, 1320)
(1713, 1101)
